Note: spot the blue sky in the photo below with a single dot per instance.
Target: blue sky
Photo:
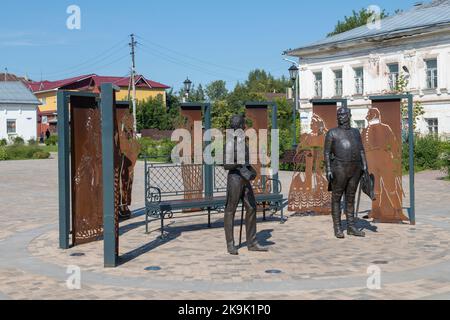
(203, 39)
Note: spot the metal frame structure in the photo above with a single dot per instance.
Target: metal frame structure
(64, 170)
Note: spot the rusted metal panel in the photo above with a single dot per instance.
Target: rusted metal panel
(86, 173)
(192, 174)
(259, 118)
(309, 188)
(86, 165)
(129, 153)
(382, 141)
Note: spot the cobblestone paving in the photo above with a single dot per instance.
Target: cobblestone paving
(414, 260)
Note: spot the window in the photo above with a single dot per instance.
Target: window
(44, 119)
(359, 81)
(393, 76)
(338, 83)
(432, 74)
(318, 84)
(11, 126)
(44, 101)
(433, 125)
(360, 124)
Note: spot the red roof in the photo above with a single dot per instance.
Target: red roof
(92, 82)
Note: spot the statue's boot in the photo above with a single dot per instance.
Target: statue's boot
(257, 248)
(351, 228)
(250, 226)
(337, 223)
(229, 233)
(232, 249)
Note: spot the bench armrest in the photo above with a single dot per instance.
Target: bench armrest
(280, 186)
(153, 195)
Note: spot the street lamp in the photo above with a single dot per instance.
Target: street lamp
(187, 87)
(293, 73)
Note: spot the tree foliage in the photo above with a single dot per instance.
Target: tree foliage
(357, 19)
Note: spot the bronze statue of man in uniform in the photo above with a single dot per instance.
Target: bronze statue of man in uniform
(346, 162)
(239, 188)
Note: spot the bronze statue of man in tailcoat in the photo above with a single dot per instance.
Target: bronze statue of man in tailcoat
(239, 188)
(346, 162)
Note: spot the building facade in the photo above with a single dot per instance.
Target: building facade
(46, 92)
(18, 112)
(413, 46)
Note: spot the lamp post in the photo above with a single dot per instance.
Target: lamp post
(293, 73)
(187, 88)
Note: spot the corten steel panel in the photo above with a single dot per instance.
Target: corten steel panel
(258, 115)
(382, 141)
(129, 153)
(192, 174)
(86, 173)
(309, 188)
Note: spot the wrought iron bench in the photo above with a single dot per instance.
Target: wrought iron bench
(174, 188)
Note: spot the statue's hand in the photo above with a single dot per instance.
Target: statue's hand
(330, 176)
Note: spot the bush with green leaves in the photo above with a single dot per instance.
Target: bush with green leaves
(32, 142)
(18, 141)
(3, 153)
(156, 149)
(52, 140)
(3, 142)
(41, 155)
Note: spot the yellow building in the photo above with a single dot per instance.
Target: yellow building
(46, 92)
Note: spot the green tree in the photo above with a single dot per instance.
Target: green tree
(418, 110)
(216, 90)
(154, 114)
(357, 19)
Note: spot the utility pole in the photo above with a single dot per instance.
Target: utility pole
(133, 44)
(6, 74)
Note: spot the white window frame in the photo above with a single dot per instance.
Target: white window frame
(432, 80)
(433, 128)
(359, 81)
(393, 76)
(338, 83)
(15, 127)
(318, 87)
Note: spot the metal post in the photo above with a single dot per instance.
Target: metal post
(109, 233)
(412, 193)
(63, 170)
(209, 172)
(294, 114)
(274, 155)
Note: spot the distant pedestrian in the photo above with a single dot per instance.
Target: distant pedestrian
(41, 138)
(47, 134)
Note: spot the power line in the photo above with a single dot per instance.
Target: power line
(190, 57)
(183, 63)
(133, 44)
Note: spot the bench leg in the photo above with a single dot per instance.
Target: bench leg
(264, 211)
(146, 221)
(209, 217)
(282, 214)
(162, 224)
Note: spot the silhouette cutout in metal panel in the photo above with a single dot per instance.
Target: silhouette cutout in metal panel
(383, 151)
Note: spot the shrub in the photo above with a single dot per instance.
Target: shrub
(52, 140)
(41, 155)
(21, 152)
(18, 141)
(3, 142)
(32, 142)
(3, 153)
(156, 149)
(428, 152)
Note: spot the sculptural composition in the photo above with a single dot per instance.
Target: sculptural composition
(345, 163)
(239, 188)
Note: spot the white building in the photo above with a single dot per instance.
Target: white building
(18, 111)
(368, 60)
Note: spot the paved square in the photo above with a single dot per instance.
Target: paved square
(192, 262)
